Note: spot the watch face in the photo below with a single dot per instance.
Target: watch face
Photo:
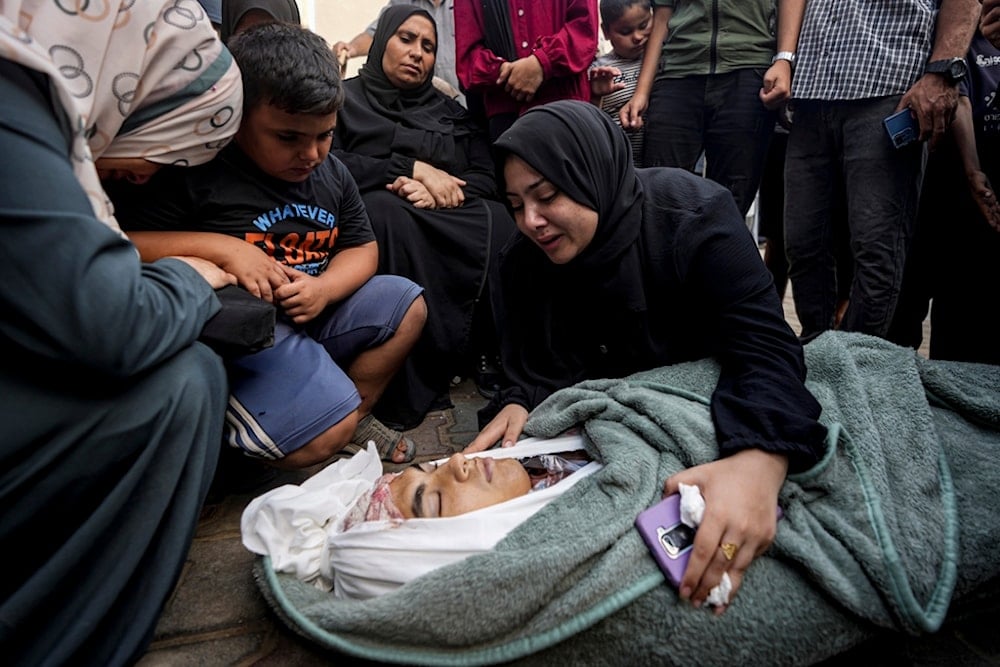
(956, 70)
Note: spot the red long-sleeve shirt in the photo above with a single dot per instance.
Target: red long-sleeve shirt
(562, 34)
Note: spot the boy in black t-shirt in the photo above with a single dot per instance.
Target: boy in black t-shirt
(276, 210)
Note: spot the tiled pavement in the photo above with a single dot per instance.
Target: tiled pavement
(216, 615)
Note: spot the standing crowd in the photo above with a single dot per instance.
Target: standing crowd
(488, 197)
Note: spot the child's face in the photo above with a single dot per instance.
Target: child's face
(284, 145)
(629, 34)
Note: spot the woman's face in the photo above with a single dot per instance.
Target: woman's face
(457, 486)
(560, 226)
(410, 53)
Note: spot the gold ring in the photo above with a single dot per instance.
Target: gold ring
(729, 550)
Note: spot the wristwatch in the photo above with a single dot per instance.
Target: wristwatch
(784, 55)
(952, 69)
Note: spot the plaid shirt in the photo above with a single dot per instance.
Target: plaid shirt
(860, 49)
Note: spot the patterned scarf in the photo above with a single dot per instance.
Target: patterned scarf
(137, 80)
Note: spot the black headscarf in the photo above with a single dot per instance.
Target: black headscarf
(577, 147)
(233, 11)
(421, 107)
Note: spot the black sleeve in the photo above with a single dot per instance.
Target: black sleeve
(761, 400)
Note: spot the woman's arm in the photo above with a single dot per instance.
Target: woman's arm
(477, 67)
(766, 420)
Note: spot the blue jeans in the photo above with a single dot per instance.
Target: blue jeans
(720, 114)
(845, 142)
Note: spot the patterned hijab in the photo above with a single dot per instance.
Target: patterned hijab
(143, 79)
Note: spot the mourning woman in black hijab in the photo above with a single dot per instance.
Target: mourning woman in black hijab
(426, 175)
(619, 270)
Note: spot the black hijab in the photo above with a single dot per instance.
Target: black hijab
(577, 147)
(421, 107)
(233, 12)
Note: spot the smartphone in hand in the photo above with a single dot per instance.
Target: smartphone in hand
(669, 540)
(902, 128)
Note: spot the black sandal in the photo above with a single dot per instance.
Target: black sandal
(386, 440)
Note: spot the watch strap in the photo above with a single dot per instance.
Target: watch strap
(784, 55)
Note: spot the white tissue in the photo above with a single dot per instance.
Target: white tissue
(692, 505)
(692, 512)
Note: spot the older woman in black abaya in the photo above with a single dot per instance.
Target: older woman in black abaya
(621, 270)
(426, 175)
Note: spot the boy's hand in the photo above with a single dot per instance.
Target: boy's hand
(521, 78)
(254, 270)
(302, 298)
(412, 191)
(445, 188)
(602, 80)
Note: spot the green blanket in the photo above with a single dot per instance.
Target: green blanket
(891, 526)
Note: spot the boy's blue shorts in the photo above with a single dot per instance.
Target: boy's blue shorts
(286, 395)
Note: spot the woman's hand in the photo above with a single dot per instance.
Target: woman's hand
(505, 427)
(302, 297)
(445, 188)
(521, 78)
(741, 500)
(254, 270)
(213, 275)
(412, 191)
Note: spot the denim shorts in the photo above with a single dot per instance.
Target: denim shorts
(283, 397)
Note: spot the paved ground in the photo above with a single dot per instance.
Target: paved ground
(217, 616)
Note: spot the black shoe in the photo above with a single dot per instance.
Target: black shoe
(487, 376)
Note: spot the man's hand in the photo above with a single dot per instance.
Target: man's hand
(777, 84)
(933, 101)
(505, 427)
(989, 21)
(986, 198)
(631, 114)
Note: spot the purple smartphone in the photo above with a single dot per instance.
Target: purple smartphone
(668, 539)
